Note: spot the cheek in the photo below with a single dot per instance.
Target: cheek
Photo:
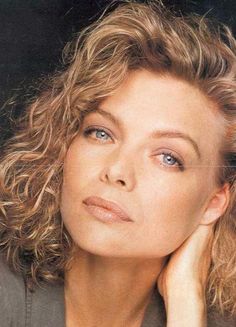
(80, 173)
(80, 167)
(171, 212)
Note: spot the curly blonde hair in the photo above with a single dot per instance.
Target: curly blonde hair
(134, 36)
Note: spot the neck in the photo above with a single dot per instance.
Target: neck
(104, 291)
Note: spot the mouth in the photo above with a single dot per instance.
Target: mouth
(105, 211)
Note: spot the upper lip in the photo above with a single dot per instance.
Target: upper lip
(109, 205)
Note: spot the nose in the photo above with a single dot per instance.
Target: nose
(119, 171)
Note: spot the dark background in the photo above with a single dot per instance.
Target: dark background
(34, 32)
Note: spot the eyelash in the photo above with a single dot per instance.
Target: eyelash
(87, 132)
(179, 166)
(90, 130)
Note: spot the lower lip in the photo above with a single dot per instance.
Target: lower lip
(104, 215)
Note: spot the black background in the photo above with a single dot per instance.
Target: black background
(34, 32)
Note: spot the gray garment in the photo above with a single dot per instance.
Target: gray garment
(44, 307)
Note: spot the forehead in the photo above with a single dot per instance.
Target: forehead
(146, 101)
(164, 100)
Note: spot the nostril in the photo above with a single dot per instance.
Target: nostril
(121, 182)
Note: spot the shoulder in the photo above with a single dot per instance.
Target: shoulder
(12, 295)
(44, 306)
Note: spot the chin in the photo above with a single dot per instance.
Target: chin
(103, 246)
(113, 240)
(99, 244)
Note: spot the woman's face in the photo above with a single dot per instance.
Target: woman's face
(152, 149)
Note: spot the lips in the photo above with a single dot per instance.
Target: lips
(109, 209)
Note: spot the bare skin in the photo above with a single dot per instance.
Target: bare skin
(117, 265)
(116, 291)
(182, 282)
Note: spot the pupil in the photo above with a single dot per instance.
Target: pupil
(101, 134)
(170, 160)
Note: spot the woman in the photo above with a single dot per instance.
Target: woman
(120, 181)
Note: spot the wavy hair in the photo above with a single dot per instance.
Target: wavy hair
(133, 36)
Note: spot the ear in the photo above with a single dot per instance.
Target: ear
(217, 205)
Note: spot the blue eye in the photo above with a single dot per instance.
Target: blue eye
(168, 159)
(99, 133)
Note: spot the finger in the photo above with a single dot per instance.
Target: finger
(201, 236)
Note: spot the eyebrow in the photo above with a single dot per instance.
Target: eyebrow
(154, 134)
(177, 134)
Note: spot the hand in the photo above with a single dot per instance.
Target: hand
(182, 281)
